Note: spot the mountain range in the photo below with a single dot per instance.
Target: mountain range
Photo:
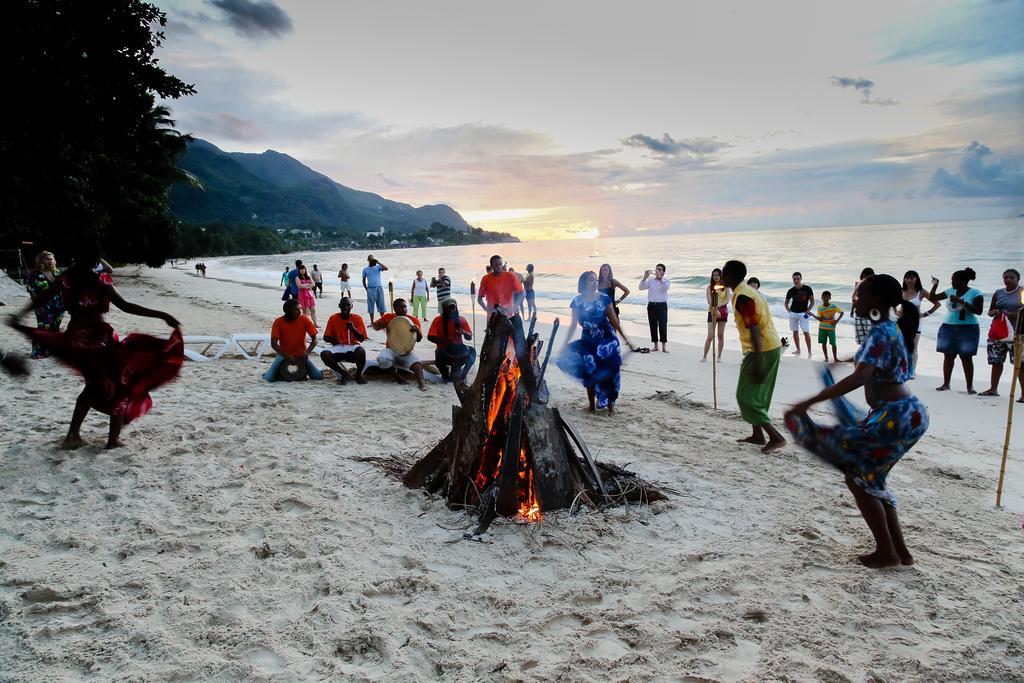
(274, 189)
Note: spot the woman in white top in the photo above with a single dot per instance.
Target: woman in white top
(913, 293)
(420, 295)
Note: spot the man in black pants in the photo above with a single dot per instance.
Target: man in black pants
(657, 305)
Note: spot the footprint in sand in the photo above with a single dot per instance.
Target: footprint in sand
(291, 506)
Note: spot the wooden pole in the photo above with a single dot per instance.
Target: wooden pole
(1018, 341)
(391, 293)
(472, 303)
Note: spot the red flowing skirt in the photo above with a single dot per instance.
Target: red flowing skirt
(118, 373)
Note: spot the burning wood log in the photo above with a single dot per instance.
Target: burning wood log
(508, 453)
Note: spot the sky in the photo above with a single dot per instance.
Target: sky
(578, 118)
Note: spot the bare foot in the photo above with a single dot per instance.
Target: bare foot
(773, 445)
(114, 444)
(704, 359)
(756, 440)
(989, 392)
(879, 560)
(971, 392)
(360, 379)
(664, 349)
(591, 408)
(70, 443)
(611, 409)
(906, 559)
(944, 387)
(423, 387)
(399, 379)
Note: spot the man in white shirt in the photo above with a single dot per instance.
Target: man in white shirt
(657, 305)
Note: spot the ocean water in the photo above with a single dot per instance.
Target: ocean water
(829, 258)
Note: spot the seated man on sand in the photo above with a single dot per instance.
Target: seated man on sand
(347, 331)
(388, 358)
(448, 331)
(288, 339)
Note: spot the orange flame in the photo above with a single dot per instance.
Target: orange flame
(502, 401)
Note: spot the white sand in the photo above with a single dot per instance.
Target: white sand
(138, 563)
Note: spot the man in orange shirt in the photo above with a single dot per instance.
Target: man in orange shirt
(288, 339)
(452, 357)
(388, 358)
(502, 288)
(346, 331)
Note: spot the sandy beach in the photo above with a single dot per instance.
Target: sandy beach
(241, 534)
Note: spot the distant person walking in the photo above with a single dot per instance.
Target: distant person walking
(284, 283)
(44, 288)
(960, 333)
(292, 292)
(800, 300)
(442, 285)
(318, 280)
(1005, 304)
(528, 292)
(607, 284)
(420, 295)
(717, 295)
(657, 305)
(343, 279)
(375, 302)
(522, 299)
(762, 352)
(307, 297)
(861, 326)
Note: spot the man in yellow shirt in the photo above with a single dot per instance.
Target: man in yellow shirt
(762, 352)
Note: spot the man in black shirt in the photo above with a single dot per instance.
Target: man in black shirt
(800, 300)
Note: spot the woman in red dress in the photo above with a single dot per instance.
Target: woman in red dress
(118, 373)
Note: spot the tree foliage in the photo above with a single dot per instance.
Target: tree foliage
(228, 239)
(86, 151)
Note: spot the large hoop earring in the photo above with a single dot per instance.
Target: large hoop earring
(875, 314)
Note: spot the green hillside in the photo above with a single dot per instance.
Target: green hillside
(273, 189)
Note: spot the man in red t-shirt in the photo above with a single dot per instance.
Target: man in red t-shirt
(288, 339)
(452, 357)
(346, 331)
(502, 288)
(388, 358)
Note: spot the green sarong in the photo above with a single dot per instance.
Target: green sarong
(755, 399)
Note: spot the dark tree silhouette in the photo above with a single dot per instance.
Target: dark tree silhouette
(86, 151)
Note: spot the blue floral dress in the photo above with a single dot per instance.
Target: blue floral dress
(867, 446)
(594, 359)
(50, 314)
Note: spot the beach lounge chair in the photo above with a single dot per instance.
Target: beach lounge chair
(261, 341)
(221, 345)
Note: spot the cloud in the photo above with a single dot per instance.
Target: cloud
(976, 178)
(255, 18)
(666, 146)
(388, 181)
(864, 86)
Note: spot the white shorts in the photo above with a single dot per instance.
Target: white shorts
(343, 348)
(388, 358)
(799, 322)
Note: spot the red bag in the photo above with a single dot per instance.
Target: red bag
(1000, 329)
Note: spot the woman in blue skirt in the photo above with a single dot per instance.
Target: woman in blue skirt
(865, 447)
(594, 358)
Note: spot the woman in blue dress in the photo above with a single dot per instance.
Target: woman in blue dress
(594, 358)
(49, 315)
(866, 447)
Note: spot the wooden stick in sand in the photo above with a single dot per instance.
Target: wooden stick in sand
(1018, 341)
(714, 349)
(472, 303)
